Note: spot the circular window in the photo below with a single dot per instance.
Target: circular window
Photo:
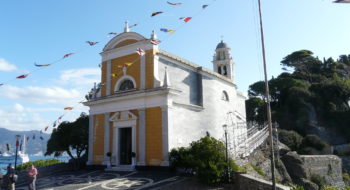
(126, 85)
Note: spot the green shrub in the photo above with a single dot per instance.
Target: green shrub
(346, 177)
(38, 163)
(329, 188)
(290, 138)
(297, 188)
(257, 169)
(318, 180)
(206, 157)
(314, 142)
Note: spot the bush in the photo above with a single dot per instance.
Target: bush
(318, 180)
(297, 188)
(314, 142)
(206, 157)
(38, 163)
(290, 138)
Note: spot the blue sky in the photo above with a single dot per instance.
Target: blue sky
(43, 31)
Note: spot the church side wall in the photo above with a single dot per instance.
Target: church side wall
(190, 120)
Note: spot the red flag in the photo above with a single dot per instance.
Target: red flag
(91, 43)
(22, 76)
(140, 52)
(67, 55)
(17, 143)
(156, 13)
(155, 42)
(175, 4)
(186, 19)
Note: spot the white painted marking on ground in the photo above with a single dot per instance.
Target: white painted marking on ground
(99, 183)
(158, 182)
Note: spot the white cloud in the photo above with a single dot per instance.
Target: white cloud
(85, 76)
(6, 66)
(20, 118)
(42, 95)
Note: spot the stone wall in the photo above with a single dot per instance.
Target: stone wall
(329, 167)
(248, 182)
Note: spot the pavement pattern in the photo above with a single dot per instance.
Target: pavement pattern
(98, 179)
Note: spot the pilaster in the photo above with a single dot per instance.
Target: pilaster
(165, 136)
(142, 138)
(106, 138)
(91, 140)
(108, 77)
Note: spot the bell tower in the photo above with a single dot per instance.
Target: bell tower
(222, 61)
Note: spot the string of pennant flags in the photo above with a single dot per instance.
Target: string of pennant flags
(139, 51)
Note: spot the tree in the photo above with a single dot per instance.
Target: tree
(68, 137)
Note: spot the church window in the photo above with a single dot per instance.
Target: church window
(225, 96)
(219, 69)
(126, 85)
(225, 70)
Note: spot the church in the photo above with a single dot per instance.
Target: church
(151, 101)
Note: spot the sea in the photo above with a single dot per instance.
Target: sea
(34, 158)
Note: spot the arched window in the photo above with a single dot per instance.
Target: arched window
(225, 96)
(126, 85)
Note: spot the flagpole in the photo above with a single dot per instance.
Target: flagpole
(267, 96)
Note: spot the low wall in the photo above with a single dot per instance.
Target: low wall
(44, 171)
(327, 166)
(248, 182)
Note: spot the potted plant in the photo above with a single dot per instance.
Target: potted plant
(109, 154)
(133, 158)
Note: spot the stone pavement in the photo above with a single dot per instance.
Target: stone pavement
(98, 179)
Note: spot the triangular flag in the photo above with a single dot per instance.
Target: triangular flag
(41, 138)
(155, 42)
(204, 6)
(140, 52)
(167, 30)
(186, 19)
(67, 55)
(175, 4)
(46, 128)
(68, 108)
(23, 76)
(131, 26)
(91, 43)
(156, 13)
(41, 65)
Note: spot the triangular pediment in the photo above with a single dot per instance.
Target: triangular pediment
(123, 116)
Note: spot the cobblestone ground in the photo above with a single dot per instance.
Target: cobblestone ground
(91, 180)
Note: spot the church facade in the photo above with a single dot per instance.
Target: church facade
(150, 104)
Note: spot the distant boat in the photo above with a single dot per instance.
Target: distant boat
(9, 158)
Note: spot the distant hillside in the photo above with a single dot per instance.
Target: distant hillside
(33, 146)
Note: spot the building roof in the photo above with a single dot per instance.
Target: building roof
(193, 65)
(222, 44)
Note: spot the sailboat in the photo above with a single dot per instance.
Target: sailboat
(9, 158)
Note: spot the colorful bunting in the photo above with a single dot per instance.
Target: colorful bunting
(112, 33)
(156, 13)
(204, 6)
(155, 42)
(54, 124)
(41, 65)
(67, 55)
(167, 30)
(91, 43)
(131, 26)
(68, 108)
(46, 128)
(41, 138)
(186, 19)
(175, 4)
(140, 51)
(23, 76)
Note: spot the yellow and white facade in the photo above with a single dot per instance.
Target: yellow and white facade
(150, 104)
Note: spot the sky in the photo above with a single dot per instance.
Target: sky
(41, 32)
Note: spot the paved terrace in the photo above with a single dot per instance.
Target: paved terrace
(98, 179)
